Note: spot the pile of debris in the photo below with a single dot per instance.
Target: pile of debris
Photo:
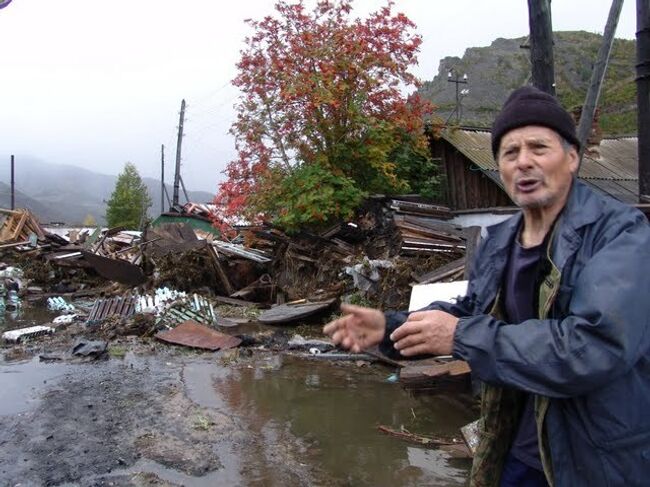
(389, 245)
(170, 280)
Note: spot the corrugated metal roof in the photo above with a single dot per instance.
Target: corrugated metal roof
(616, 172)
(474, 144)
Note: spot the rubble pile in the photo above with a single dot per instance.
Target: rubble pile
(372, 259)
(260, 265)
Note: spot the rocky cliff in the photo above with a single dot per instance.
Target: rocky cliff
(494, 71)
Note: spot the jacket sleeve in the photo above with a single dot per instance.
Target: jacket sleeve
(463, 306)
(603, 335)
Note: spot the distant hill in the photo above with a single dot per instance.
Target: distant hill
(56, 192)
(496, 70)
(43, 212)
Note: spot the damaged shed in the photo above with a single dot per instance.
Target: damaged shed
(609, 165)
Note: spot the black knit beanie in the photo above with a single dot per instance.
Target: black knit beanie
(530, 106)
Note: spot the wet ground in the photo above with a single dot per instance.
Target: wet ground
(169, 416)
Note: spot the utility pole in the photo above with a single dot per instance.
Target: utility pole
(177, 174)
(162, 178)
(184, 190)
(541, 45)
(597, 77)
(454, 77)
(643, 96)
(163, 190)
(13, 184)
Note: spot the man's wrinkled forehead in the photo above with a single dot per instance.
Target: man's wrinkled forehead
(529, 134)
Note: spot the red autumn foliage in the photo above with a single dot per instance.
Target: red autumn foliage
(312, 82)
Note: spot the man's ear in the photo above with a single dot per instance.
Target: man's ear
(574, 159)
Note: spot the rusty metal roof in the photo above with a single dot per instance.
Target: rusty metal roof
(615, 172)
(193, 334)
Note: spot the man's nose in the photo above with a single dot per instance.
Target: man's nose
(524, 159)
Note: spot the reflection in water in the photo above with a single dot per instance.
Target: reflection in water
(23, 316)
(334, 411)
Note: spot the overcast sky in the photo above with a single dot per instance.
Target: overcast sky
(96, 84)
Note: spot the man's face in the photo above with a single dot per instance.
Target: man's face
(536, 169)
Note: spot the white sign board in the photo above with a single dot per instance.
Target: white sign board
(424, 294)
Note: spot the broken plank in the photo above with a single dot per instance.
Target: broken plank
(420, 439)
(223, 277)
(447, 375)
(236, 302)
(446, 271)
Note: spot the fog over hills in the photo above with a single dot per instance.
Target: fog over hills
(62, 193)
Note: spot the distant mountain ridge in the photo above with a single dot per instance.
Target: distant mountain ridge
(494, 71)
(63, 193)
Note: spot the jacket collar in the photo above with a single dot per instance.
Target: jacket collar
(582, 208)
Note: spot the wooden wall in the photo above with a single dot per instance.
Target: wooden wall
(466, 186)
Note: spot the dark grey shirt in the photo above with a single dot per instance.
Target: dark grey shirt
(521, 290)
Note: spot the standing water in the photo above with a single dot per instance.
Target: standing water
(114, 419)
(335, 410)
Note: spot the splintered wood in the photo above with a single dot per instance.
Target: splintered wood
(18, 225)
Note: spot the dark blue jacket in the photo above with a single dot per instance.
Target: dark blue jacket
(589, 358)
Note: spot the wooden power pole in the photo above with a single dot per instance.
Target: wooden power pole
(643, 96)
(177, 174)
(162, 178)
(13, 184)
(597, 76)
(541, 45)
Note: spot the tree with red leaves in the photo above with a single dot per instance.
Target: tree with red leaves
(322, 118)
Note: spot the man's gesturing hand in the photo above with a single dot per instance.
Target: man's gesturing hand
(426, 332)
(358, 328)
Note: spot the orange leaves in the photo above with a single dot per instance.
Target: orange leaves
(313, 84)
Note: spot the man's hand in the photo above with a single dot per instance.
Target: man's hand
(426, 332)
(358, 328)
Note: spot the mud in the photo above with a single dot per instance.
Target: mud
(175, 417)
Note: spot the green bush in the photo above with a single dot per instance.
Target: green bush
(311, 196)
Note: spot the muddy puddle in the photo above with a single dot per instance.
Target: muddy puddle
(333, 411)
(27, 314)
(182, 418)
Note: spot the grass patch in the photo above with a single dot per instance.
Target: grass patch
(117, 351)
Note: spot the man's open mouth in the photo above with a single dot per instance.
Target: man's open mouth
(528, 185)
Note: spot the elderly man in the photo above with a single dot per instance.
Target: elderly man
(554, 324)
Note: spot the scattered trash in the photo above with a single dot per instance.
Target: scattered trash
(13, 301)
(365, 274)
(435, 375)
(103, 308)
(90, 348)
(291, 312)
(392, 378)
(64, 319)
(471, 435)
(454, 445)
(59, 304)
(343, 356)
(193, 334)
(424, 294)
(298, 342)
(118, 270)
(11, 272)
(25, 333)
(159, 301)
(173, 307)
